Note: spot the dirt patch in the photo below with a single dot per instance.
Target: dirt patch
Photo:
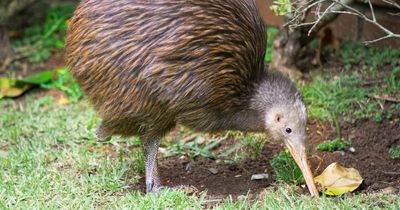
(371, 141)
(224, 180)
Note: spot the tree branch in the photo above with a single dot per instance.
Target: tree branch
(373, 21)
(335, 8)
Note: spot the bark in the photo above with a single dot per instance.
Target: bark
(8, 8)
(5, 46)
(291, 41)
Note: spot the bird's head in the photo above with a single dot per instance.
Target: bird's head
(285, 119)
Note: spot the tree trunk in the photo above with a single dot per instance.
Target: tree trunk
(5, 49)
(10, 7)
(286, 50)
(290, 43)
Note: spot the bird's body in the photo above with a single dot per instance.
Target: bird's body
(147, 65)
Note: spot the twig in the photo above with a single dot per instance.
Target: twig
(385, 98)
(392, 3)
(358, 13)
(391, 172)
(372, 10)
(336, 7)
(320, 18)
(394, 14)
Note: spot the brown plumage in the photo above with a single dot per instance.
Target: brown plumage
(147, 65)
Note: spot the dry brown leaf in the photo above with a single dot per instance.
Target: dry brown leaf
(337, 180)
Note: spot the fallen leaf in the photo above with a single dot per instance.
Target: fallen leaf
(337, 180)
(11, 88)
(40, 78)
(63, 101)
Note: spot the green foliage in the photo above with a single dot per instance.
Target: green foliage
(40, 40)
(249, 145)
(354, 53)
(253, 145)
(394, 152)
(281, 7)
(271, 34)
(393, 81)
(333, 145)
(53, 79)
(194, 148)
(66, 83)
(342, 96)
(49, 160)
(286, 169)
(347, 94)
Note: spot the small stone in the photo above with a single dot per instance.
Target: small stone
(303, 186)
(237, 176)
(352, 149)
(259, 176)
(189, 167)
(213, 170)
(389, 190)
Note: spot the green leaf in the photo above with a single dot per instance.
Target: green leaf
(40, 78)
(11, 88)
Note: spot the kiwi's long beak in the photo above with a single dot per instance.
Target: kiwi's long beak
(298, 151)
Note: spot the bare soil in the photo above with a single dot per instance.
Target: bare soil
(371, 141)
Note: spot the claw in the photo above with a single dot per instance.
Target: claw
(150, 186)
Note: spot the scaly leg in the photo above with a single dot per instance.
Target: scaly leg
(150, 150)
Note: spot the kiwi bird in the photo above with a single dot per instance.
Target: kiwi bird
(147, 65)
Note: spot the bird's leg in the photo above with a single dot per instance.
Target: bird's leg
(153, 184)
(150, 150)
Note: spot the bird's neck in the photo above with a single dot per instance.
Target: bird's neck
(272, 91)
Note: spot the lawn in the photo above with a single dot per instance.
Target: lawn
(50, 160)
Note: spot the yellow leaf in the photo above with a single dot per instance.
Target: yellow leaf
(63, 101)
(337, 180)
(8, 88)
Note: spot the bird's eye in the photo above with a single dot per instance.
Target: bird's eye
(288, 130)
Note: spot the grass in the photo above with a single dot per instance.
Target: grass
(193, 148)
(333, 145)
(40, 40)
(348, 94)
(394, 152)
(49, 160)
(355, 54)
(271, 33)
(286, 169)
(253, 144)
(66, 83)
